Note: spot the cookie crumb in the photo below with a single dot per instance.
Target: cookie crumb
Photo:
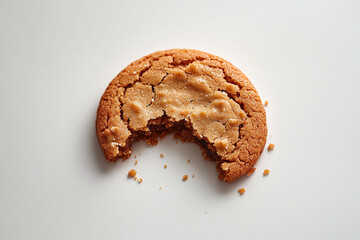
(241, 191)
(132, 173)
(185, 178)
(177, 142)
(266, 103)
(136, 162)
(139, 180)
(165, 166)
(250, 171)
(271, 146)
(135, 157)
(266, 172)
(160, 188)
(188, 160)
(135, 178)
(152, 141)
(162, 155)
(193, 175)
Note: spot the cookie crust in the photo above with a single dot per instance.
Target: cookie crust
(199, 96)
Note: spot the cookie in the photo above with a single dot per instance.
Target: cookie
(199, 96)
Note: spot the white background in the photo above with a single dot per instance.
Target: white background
(57, 58)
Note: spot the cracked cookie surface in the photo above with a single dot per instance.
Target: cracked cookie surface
(201, 97)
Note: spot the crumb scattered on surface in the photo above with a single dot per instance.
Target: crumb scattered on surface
(271, 146)
(139, 180)
(266, 103)
(165, 166)
(250, 171)
(185, 177)
(135, 156)
(160, 188)
(132, 173)
(266, 172)
(205, 155)
(241, 190)
(152, 141)
(188, 160)
(136, 162)
(193, 175)
(135, 178)
(162, 155)
(177, 142)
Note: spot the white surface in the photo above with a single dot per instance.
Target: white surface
(57, 57)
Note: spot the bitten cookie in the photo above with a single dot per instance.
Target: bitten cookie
(199, 96)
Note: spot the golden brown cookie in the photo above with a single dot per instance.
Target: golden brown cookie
(199, 96)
